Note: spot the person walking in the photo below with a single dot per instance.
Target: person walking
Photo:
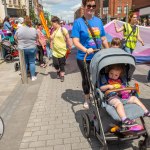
(6, 24)
(130, 32)
(41, 45)
(88, 34)
(60, 40)
(26, 37)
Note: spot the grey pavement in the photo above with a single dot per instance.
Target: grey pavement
(46, 114)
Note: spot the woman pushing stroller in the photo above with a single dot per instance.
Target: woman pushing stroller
(113, 81)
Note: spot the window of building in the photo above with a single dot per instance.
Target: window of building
(125, 9)
(14, 1)
(105, 10)
(119, 10)
(10, 2)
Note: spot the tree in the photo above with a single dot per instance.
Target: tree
(32, 15)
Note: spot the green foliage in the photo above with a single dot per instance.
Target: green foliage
(32, 15)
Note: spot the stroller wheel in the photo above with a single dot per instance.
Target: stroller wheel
(16, 66)
(9, 58)
(86, 125)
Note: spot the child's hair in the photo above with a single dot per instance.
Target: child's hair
(118, 67)
(116, 42)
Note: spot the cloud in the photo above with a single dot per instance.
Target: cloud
(75, 7)
(64, 9)
(52, 2)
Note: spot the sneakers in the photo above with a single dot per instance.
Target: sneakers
(86, 105)
(33, 78)
(128, 123)
(62, 78)
(58, 75)
(147, 114)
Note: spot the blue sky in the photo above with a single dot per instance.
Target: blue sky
(64, 9)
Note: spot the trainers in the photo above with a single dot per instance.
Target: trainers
(58, 75)
(147, 114)
(128, 123)
(62, 78)
(33, 78)
(86, 105)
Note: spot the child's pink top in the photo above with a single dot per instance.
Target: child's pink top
(42, 38)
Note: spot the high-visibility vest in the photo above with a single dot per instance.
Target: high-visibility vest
(132, 40)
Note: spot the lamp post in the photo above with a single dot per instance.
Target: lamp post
(5, 7)
(127, 13)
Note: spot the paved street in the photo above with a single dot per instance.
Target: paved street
(46, 114)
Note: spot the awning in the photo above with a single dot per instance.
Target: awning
(145, 11)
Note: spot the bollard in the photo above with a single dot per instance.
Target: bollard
(23, 67)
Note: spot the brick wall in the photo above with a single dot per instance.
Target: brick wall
(140, 4)
(114, 4)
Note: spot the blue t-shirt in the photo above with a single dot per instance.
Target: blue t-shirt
(81, 31)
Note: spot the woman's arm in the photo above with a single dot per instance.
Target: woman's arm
(104, 42)
(140, 39)
(116, 27)
(68, 40)
(77, 44)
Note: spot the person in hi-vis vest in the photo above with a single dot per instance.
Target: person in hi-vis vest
(130, 32)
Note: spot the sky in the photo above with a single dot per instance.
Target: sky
(64, 9)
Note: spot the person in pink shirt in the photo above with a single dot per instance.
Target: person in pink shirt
(41, 45)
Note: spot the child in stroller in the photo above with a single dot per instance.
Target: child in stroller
(113, 78)
(104, 117)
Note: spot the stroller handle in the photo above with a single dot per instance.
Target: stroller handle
(122, 89)
(86, 54)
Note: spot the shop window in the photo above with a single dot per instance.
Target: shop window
(105, 10)
(125, 9)
(119, 10)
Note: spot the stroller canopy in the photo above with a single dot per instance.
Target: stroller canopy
(107, 57)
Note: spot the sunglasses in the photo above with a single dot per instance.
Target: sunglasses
(91, 6)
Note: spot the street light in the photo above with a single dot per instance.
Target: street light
(127, 14)
(5, 6)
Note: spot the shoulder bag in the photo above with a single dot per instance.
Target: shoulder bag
(92, 33)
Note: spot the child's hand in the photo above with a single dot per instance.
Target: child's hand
(110, 87)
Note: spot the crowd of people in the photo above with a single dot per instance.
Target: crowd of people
(87, 35)
(33, 40)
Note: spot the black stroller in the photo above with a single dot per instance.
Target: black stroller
(100, 61)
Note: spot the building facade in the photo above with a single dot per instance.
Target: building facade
(142, 8)
(14, 8)
(109, 9)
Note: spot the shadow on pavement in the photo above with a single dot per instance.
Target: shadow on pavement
(74, 97)
(140, 78)
(52, 75)
(71, 63)
(146, 102)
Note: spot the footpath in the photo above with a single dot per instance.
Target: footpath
(46, 114)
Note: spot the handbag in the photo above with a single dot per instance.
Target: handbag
(124, 41)
(92, 33)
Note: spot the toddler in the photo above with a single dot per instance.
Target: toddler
(113, 82)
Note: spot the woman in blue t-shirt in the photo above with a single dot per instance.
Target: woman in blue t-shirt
(82, 39)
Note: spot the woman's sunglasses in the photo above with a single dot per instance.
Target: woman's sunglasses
(91, 6)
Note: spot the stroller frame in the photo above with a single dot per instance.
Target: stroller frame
(88, 124)
(11, 51)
